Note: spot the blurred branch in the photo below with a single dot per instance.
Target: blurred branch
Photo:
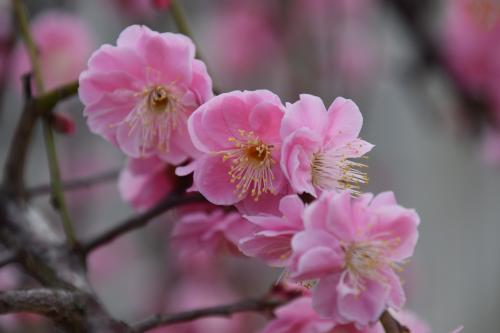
(250, 305)
(75, 184)
(58, 304)
(413, 16)
(391, 325)
(55, 176)
(140, 220)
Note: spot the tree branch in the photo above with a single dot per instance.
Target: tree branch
(255, 305)
(55, 175)
(391, 325)
(75, 184)
(140, 220)
(58, 304)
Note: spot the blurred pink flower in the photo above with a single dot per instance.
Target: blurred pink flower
(354, 246)
(271, 241)
(145, 181)
(318, 145)
(248, 21)
(238, 134)
(193, 293)
(470, 44)
(139, 94)
(141, 8)
(64, 43)
(213, 232)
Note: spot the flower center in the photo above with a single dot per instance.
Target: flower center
(332, 170)
(158, 99)
(365, 260)
(251, 165)
(157, 115)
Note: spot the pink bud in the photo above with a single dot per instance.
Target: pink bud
(63, 123)
(161, 4)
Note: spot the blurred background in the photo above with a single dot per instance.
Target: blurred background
(425, 74)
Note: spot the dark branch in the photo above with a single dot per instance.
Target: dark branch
(391, 325)
(250, 305)
(33, 109)
(140, 220)
(57, 304)
(75, 184)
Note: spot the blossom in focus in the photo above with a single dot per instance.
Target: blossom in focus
(271, 241)
(238, 135)
(145, 181)
(214, 232)
(318, 145)
(64, 43)
(354, 246)
(140, 93)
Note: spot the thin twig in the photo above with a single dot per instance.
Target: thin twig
(250, 305)
(140, 220)
(55, 176)
(75, 184)
(391, 325)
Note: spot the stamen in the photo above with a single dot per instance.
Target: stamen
(251, 165)
(332, 170)
(365, 260)
(157, 115)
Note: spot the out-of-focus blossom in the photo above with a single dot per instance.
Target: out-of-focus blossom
(238, 134)
(230, 50)
(64, 43)
(193, 293)
(318, 145)
(271, 241)
(145, 181)
(354, 246)
(139, 94)
(213, 232)
(141, 8)
(470, 44)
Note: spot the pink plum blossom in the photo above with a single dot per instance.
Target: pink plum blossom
(64, 43)
(140, 93)
(299, 316)
(318, 145)
(238, 135)
(145, 181)
(249, 20)
(354, 246)
(195, 292)
(141, 8)
(271, 241)
(212, 232)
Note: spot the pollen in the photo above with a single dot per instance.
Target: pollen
(366, 260)
(333, 170)
(251, 165)
(157, 115)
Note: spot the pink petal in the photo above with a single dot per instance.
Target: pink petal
(344, 120)
(213, 181)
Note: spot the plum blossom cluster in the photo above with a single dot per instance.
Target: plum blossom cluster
(282, 182)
